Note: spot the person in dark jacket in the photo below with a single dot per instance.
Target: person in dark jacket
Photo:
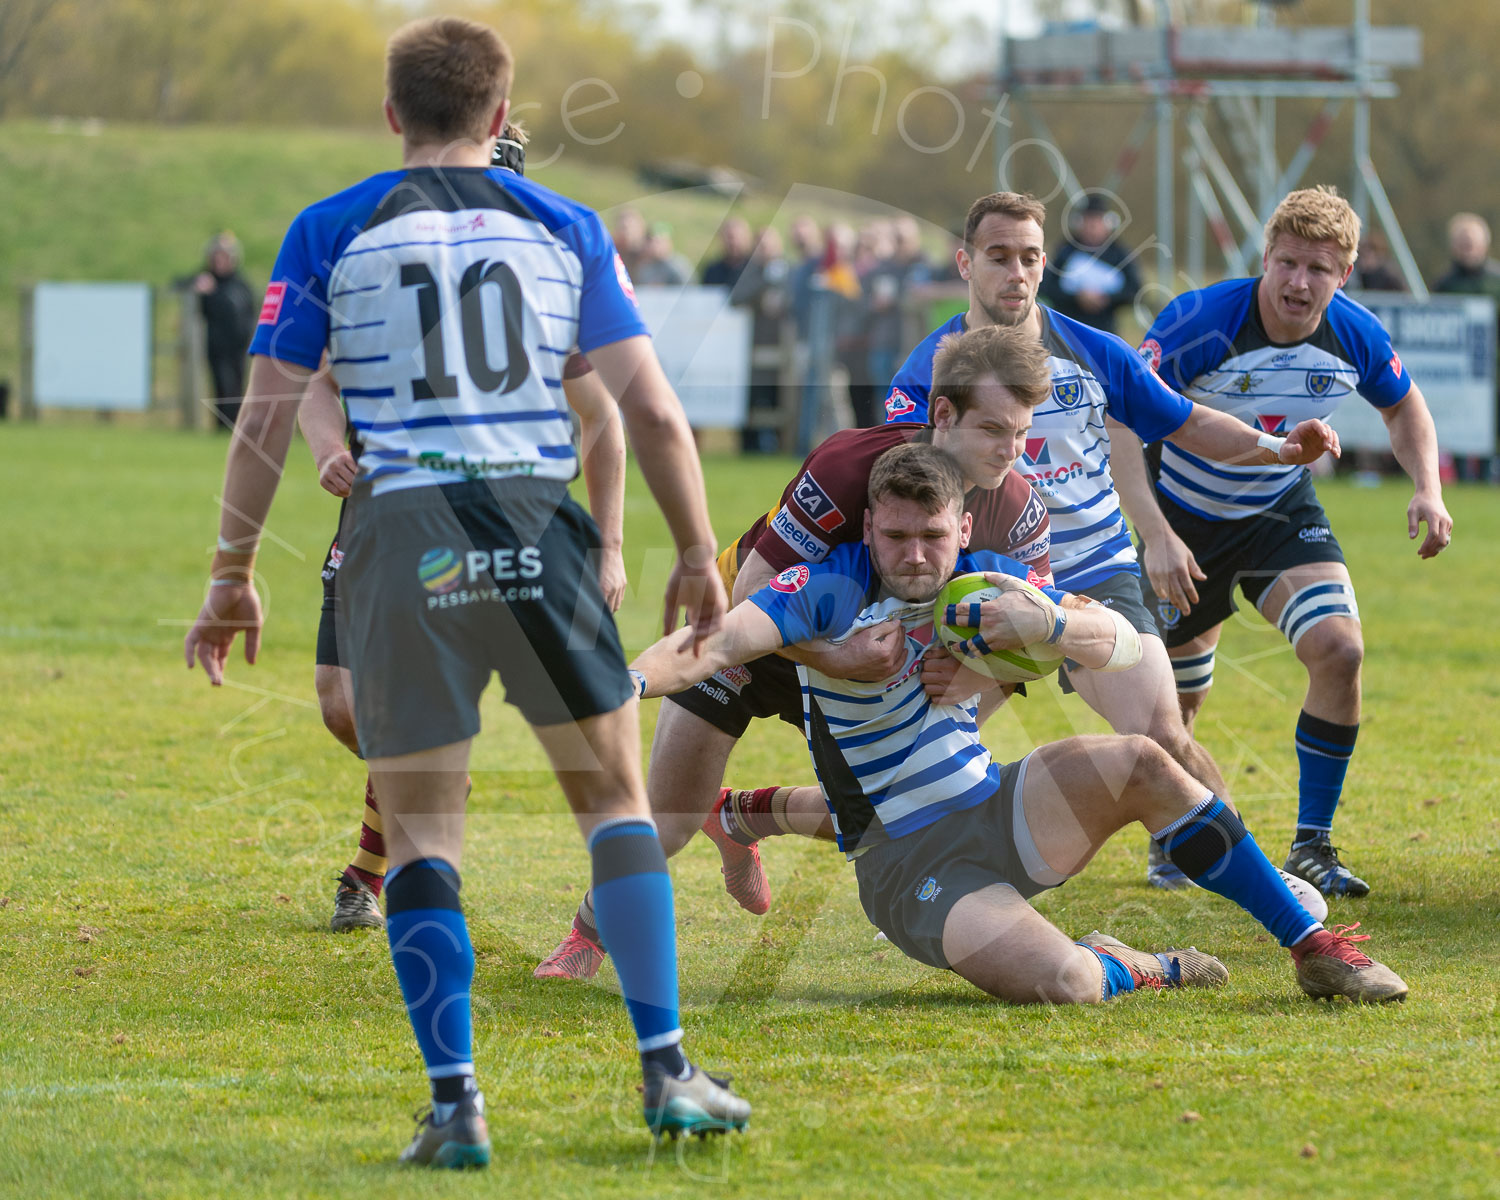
(1473, 273)
(1091, 276)
(229, 310)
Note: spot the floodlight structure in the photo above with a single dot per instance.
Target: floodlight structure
(1173, 70)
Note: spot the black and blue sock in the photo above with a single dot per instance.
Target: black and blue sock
(1214, 849)
(434, 962)
(1323, 753)
(637, 924)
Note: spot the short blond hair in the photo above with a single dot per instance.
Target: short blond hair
(1318, 214)
(1458, 220)
(445, 77)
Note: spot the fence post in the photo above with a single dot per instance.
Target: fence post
(27, 398)
(189, 357)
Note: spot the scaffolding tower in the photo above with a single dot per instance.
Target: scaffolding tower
(1174, 70)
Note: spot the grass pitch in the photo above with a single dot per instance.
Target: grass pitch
(178, 1022)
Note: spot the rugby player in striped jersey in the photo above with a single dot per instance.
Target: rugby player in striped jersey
(948, 845)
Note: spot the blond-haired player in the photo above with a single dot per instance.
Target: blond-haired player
(1285, 347)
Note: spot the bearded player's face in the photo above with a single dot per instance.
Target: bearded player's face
(914, 550)
(1004, 268)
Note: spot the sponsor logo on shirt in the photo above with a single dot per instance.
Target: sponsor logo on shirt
(1069, 392)
(815, 503)
(1151, 353)
(1396, 364)
(1036, 450)
(623, 276)
(270, 308)
(1029, 521)
(1034, 579)
(793, 579)
(1314, 533)
(794, 534)
(1248, 382)
(1319, 382)
(1284, 359)
(1270, 424)
(1049, 481)
(899, 404)
(1035, 550)
(929, 889)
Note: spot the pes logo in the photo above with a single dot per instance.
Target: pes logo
(815, 503)
(899, 404)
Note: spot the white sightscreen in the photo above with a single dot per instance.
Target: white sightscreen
(91, 345)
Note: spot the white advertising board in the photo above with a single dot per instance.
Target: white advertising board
(1448, 345)
(91, 345)
(704, 346)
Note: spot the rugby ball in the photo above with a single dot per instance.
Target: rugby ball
(1008, 666)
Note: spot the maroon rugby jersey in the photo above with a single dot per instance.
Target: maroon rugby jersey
(825, 505)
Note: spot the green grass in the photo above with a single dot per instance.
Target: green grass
(178, 1022)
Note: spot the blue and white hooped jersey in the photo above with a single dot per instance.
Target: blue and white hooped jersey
(1212, 346)
(1067, 451)
(448, 302)
(889, 760)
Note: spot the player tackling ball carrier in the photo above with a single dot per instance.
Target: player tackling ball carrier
(990, 383)
(446, 296)
(948, 846)
(1099, 386)
(1273, 351)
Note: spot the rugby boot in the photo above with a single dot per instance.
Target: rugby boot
(699, 1104)
(1170, 968)
(578, 957)
(744, 876)
(1317, 862)
(355, 906)
(1328, 965)
(461, 1141)
(1161, 872)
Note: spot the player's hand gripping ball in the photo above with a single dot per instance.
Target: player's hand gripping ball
(1008, 666)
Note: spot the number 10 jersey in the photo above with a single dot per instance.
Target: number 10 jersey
(448, 300)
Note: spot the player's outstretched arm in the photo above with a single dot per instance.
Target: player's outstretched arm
(323, 422)
(672, 665)
(257, 454)
(874, 653)
(1215, 435)
(1169, 564)
(664, 447)
(1092, 635)
(1414, 443)
(603, 456)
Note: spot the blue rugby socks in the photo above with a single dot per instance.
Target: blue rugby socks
(1117, 976)
(1323, 753)
(1214, 849)
(637, 925)
(434, 963)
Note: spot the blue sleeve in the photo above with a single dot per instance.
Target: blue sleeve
(988, 560)
(911, 389)
(606, 308)
(817, 600)
(1383, 380)
(1135, 395)
(1195, 332)
(293, 324)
